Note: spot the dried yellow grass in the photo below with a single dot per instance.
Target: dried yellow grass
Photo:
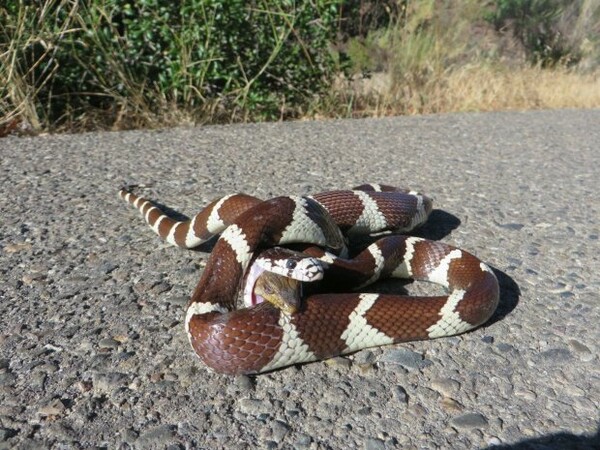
(442, 57)
(468, 88)
(493, 89)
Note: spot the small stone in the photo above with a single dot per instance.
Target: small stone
(179, 300)
(469, 420)
(517, 262)
(280, 429)
(108, 343)
(506, 348)
(84, 386)
(53, 348)
(445, 386)
(107, 267)
(253, 406)
(419, 410)
(155, 377)
(62, 431)
(583, 351)
(18, 247)
(37, 380)
(161, 288)
(244, 383)
(449, 404)
(121, 338)
(142, 287)
(129, 436)
(493, 441)
(364, 358)
(54, 408)
(406, 358)
(526, 394)
(374, 444)
(560, 288)
(488, 339)
(107, 382)
(47, 368)
(511, 226)
(171, 376)
(156, 437)
(574, 391)
(11, 410)
(400, 394)
(31, 278)
(339, 362)
(302, 442)
(174, 447)
(557, 355)
(78, 279)
(6, 433)
(7, 379)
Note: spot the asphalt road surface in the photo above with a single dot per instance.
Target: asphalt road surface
(93, 348)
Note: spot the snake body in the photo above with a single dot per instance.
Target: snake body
(261, 337)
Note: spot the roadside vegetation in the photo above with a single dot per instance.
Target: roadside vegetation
(68, 65)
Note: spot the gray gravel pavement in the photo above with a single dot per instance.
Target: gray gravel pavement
(93, 350)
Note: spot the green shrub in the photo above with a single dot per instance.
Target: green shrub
(251, 57)
(534, 24)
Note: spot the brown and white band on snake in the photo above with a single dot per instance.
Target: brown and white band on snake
(212, 220)
(358, 211)
(263, 337)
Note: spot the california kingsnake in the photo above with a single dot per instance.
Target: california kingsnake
(262, 337)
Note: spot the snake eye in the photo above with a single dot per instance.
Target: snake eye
(290, 264)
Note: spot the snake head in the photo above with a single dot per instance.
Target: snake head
(276, 276)
(290, 264)
(282, 292)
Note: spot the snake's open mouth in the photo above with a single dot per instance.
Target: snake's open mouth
(261, 285)
(250, 298)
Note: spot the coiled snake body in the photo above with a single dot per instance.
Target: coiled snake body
(260, 336)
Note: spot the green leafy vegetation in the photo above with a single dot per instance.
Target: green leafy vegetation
(551, 31)
(246, 59)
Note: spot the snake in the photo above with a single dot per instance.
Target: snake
(287, 280)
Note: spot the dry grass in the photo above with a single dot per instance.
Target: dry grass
(493, 89)
(469, 88)
(443, 57)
